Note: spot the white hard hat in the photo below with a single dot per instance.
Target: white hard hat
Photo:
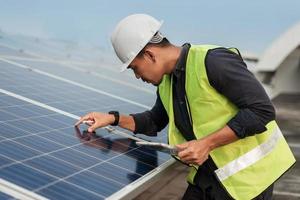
(132, 34)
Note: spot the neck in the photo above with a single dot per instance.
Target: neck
(172, 56)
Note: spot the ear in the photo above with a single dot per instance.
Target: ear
(149, 54)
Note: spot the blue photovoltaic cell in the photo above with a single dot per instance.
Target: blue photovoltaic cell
(15, 151)
(63, 190)
(134, 164)
(76, 158)
(39, 143)
(25, 176)
(60, 137)
(42, 151)
(98, 184)
(4, 161)
(8, 131)
(5, 196)
(21, 112)
(59, 94)
(95, 151)
(52, 166)
(29, 126)
(116, 173)
(6, 116)
(99, 82)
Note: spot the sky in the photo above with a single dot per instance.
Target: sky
(248, 25)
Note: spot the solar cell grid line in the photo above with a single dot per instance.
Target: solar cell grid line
(108, 101)
(56, 97)
(42, 138)
(85, 169)
(63, 147)
(25, 145)
(50, 67)
(23, 112)
(72, 82)
(49, 116)
(58, 150)
(31, 173)
(81, 103)
(47, 107)
(50, 159)
(11, 76)
(69, 75)
(41, 124)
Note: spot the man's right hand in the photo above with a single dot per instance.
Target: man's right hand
(99, 120)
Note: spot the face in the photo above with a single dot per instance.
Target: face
(148, 67)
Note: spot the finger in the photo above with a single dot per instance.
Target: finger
(182, 146)
(188, 160)
(88, 122)
(196, 161)
(86, 117)
(93, 127)
(184, 154)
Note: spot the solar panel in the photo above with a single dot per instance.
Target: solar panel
(41, 150)
(113, 83)
(42, 154)
(59, 94)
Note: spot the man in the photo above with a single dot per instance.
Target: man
(219, 116)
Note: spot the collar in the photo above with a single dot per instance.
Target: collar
(181, 62)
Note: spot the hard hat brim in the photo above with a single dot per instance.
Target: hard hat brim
(124, 66)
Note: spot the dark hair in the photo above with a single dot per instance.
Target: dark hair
(164, 43)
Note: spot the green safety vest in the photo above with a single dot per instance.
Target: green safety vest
(245, 167)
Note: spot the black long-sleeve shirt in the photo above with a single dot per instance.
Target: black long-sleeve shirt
(229, 75)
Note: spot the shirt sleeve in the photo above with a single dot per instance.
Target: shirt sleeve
(229, 75)
(151, 121)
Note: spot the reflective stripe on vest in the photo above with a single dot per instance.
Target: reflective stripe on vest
(250, 157)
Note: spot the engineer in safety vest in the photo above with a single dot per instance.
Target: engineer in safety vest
(219, 116)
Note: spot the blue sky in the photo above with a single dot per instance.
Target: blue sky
(248, 25)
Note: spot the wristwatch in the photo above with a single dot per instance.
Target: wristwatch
(117, 117)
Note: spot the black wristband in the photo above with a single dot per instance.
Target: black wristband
(117, 117)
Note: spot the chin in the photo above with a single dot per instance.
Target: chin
(158, 82)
